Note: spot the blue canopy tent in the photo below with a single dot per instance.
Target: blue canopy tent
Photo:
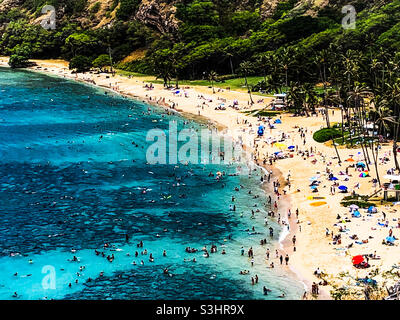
(390, 239)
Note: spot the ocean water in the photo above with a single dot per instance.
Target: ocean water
(72, 173)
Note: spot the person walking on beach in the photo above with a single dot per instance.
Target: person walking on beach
(287, 259)
(294, 240)
(281, 259)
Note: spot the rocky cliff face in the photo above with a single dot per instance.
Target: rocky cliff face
(158, 14)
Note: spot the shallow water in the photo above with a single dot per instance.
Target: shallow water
(64, 187)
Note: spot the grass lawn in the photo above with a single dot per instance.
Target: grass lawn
(234, 84)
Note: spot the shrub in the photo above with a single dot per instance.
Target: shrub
(18, 61)
(326, 134)
(80, 63)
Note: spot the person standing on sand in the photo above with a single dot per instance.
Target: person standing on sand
(281, 259)
(287, 259)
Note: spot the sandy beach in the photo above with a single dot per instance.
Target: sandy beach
(313, 247)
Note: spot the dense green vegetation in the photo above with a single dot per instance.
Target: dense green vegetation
(326, 134)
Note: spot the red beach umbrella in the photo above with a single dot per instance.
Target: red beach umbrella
(358, 259)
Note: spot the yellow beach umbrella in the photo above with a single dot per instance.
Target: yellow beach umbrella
(280, 145)
(318, 203)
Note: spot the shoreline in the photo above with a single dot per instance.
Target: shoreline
(314, 248)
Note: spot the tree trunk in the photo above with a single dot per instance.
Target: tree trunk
(396, 136)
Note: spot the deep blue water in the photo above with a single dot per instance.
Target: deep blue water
(72, 174)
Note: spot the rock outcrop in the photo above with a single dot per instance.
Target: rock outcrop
(158, 14)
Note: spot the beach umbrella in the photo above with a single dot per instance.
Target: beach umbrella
(357, 259)
(313, 187)
(361, 164)
(372, 209)
(390, 239)
(333, 179)
(280, 145)
(363, 174)
(357, 214)
(291, 147)
(353, 207)
(277, 121)
(350, 160)
(342, 188)
(318, 203)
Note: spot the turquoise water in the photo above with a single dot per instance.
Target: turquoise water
(72, 174)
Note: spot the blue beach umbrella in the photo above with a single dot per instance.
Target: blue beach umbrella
(291, 147)
(357, 214)
(277, 121)
(342, 188)
(372, 209)
(333, 179)
(313, 187)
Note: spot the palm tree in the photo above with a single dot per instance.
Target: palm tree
(356, 99)
(212, 76)
(263, 62)
(381, 115)
(286, 61)
(295, 96)
(321, 60)
(394, 101)
(230, 56)
(246, 67)
(310, 97)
